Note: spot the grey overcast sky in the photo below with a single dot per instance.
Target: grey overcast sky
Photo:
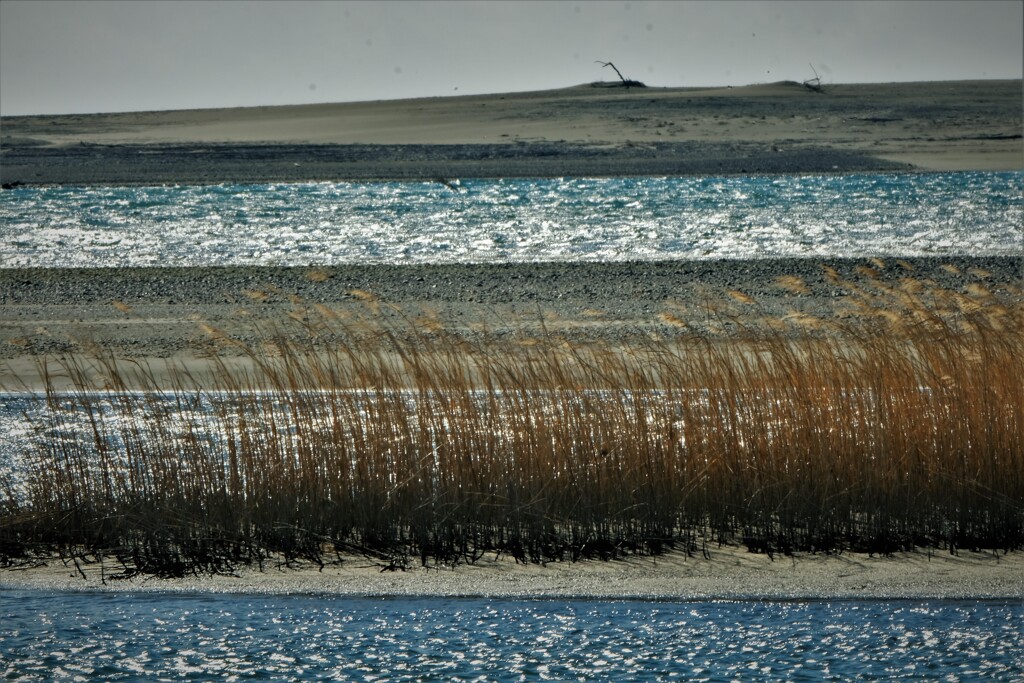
(85, 56)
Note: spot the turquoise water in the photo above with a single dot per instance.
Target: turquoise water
(166, 636)
(515, 220)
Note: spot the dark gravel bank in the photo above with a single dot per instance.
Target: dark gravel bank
(599, 284)
(92, 164)
(156, 311)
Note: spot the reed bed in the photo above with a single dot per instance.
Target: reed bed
(898, 426)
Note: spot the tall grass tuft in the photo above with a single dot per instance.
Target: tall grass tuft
(897, 427)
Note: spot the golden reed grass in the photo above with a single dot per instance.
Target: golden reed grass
(898, 426)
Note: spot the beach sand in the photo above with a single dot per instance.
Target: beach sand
(727, 572)
(151, 317)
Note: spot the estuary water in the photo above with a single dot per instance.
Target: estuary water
(168, 636)
(476, 221)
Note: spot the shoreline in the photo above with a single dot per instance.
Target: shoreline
(728, 573)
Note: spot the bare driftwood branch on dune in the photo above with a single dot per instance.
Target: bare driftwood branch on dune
(624, 82)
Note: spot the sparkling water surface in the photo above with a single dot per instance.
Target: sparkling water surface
(169, 636)
(514, 220)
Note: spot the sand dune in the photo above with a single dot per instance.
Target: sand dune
(964, 125)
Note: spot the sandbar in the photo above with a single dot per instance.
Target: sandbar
(162, 317)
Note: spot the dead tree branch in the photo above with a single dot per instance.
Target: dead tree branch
(626, 82)
(814, 84)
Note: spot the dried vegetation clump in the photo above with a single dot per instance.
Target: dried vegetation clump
(899, 425)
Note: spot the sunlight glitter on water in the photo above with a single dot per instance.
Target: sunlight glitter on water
(515, 220)
(125, 636)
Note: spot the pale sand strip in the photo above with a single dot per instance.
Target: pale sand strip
(729, 573)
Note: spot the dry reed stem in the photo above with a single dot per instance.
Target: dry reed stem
(792, 284)
(319, 275)
(741, 297)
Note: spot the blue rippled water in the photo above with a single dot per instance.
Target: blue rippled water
(515, 220)
(161, 636)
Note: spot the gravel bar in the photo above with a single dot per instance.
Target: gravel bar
(124, 164)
